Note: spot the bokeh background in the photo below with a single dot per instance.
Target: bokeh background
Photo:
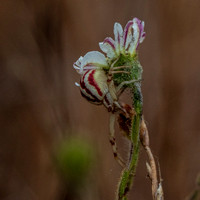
(44, 122)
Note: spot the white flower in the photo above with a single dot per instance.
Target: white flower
(91, 60)
(126, 42)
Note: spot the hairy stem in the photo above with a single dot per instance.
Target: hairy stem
(128, 173)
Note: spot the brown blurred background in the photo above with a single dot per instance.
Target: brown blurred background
(40, 105)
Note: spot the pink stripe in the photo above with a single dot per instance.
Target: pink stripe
(126, 29)
(110, 42)
(118, 38)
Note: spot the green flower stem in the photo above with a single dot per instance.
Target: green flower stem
(128, 173)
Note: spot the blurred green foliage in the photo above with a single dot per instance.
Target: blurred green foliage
(74, 158)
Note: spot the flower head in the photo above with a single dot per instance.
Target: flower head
(126, 42)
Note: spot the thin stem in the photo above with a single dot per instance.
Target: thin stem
(129, 172)
(153, 171)
(157, 190)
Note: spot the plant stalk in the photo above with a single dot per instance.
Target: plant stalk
(128, 173)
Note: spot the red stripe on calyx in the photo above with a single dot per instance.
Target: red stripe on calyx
(92, 82)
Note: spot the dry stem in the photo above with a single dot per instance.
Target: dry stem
(157, 191)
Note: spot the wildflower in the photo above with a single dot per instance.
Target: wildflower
(103, 79)
(126, 42)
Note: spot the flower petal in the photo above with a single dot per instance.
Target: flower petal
(142, 33)
(110, 42)
(118, 32)
(134, 42)
(108, 47)
(138, 35)
(127, 36)
(141, 30)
